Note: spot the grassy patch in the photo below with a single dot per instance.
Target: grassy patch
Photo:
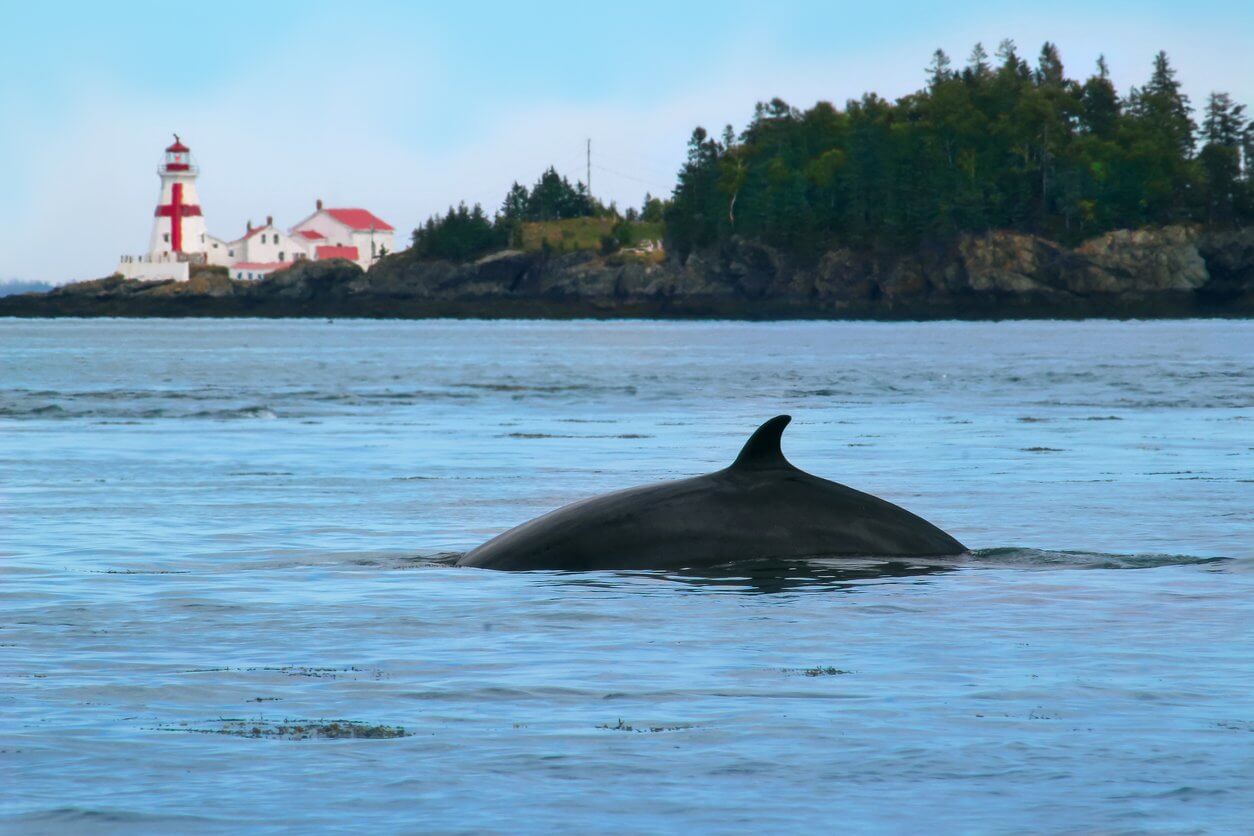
(584, 233)
(642, 231)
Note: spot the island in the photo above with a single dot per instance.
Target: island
(1002, 189)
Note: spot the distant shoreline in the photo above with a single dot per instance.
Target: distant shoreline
(538, 313)
(1175, 272)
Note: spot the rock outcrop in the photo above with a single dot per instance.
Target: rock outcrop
(1172, 271)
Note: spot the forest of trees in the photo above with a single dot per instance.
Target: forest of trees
(463, 233)
(458, 235)
(996, 144)
(552, 198)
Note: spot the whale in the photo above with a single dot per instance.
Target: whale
(761, 507)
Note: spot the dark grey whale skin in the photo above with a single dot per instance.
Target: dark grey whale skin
(759, 507)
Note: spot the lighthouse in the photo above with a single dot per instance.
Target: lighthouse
(178, 225)
(178, 236)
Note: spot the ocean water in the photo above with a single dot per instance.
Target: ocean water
(217, 535)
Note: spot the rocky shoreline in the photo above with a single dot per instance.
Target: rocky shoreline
(1174, 271)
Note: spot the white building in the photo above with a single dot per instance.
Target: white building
(353, 234)
(179, 239)
(216, 250)
(262, 250)
(356, 234)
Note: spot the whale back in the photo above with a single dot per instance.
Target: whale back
(760, 506)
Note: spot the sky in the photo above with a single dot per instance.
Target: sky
(407, 107)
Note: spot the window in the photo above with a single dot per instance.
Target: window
(166, 236)
(263, 238)
(281, 258)
(231, 253)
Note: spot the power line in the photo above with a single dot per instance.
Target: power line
(666, 169)
(652, 183)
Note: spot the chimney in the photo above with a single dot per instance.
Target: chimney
(269, 220)
(249, 227)
(318, 204)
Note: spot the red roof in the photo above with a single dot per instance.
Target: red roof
(250, 233)
(177, 147)
(311, 234)
(359, 219)
(335, 252)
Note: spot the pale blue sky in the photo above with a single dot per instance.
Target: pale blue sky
(406, 107)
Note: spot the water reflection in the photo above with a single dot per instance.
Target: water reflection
(767, 576)
(774, 576)
(770, 575)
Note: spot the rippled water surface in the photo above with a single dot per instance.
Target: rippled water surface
(224, 587)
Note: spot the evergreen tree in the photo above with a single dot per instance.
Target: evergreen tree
(1052, 107)
(1097, 155)
(1011, 64)
(1049, 70)
(553, 198)
(977, 69)
(1164, 108)
(515, 206)
(1099, 103)
(1225, 122)
(1224, 128)
(690, 223)
(652, 209)
(938, 71)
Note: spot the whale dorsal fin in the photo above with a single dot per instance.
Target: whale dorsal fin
(762, 448)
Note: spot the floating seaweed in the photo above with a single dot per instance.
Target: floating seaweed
(295, 729)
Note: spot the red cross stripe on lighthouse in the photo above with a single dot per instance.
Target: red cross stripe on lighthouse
(176, 210)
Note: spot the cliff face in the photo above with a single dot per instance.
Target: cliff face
(1174, 271)
(1144, 272)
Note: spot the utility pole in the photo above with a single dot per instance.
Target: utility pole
(589, 168)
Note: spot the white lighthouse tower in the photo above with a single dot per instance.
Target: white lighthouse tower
(178, 229)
